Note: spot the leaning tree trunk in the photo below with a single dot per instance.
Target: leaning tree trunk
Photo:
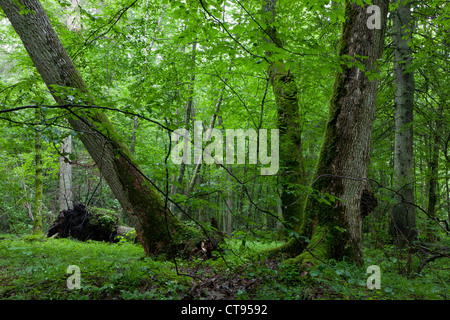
(402, 227)
(291, 156)
(158, 231)
(335, 230)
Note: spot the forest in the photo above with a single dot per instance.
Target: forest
(224, 150)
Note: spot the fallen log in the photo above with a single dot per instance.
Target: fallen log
(87, 223)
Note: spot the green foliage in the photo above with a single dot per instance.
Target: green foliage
(37, 270)
(103, 217)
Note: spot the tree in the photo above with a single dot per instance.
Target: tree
(65, 175)
(403, 214)
(37, 217)
(291, 156)
(333, 228)
(433, 174)
(189, 112)
(158, 231)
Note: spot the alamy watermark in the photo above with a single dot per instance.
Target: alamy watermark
(74, 281)
(374, 21)
(374, 281)
(213, 152)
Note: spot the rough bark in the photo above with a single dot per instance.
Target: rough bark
(158, 231)
(402, 227)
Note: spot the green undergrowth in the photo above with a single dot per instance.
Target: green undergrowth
(36, 268)
(33, 268)
(343, 280)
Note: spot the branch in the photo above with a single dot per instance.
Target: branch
(68, 106)
(228, 32)
(424, 263)
(119, 15)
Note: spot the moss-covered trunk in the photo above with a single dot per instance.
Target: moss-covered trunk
(335, 230)
(292, 173)
(158, 231)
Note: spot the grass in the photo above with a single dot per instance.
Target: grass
(36, 268)
(33, 268)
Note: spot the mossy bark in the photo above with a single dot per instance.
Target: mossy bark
(158, 231)
(292, 173)
(344, 157)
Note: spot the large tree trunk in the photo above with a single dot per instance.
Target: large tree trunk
(291, 155)
(403, 222)
(335, 230)
(158, 231)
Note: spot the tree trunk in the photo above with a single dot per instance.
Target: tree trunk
(189, 107)
(433, 172)
(230, 206)
(291, 156)
(37, 222)
(334, 231)
(207, 138)
(448, 197)
(158, 231)
(65, 176)
(402, 227)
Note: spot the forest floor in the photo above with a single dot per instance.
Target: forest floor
(36, 268)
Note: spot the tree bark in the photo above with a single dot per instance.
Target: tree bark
(65, 176)
(402, 227)
(158, 231)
